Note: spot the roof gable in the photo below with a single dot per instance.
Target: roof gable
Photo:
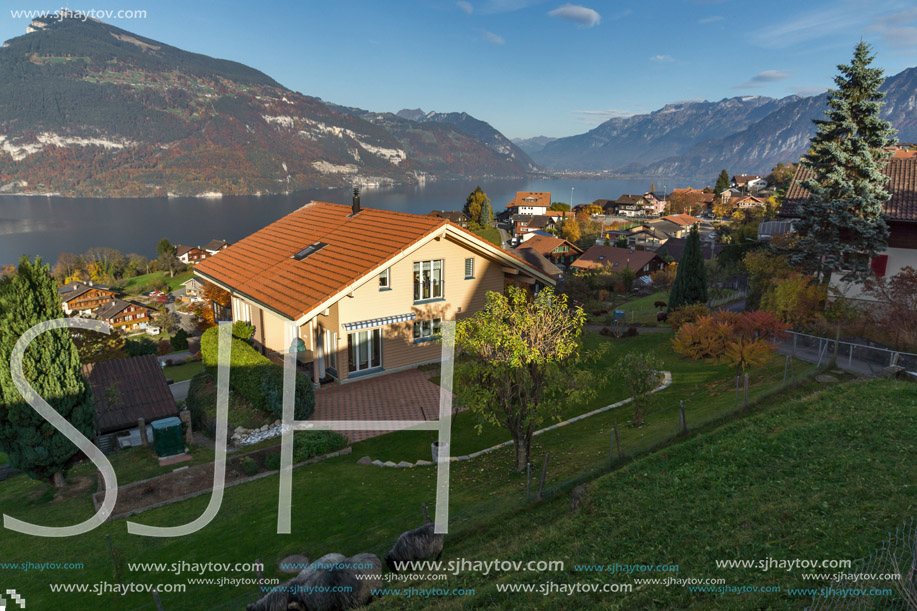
(124, 390)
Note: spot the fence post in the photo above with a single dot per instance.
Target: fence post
(837, 339)
(683, 421)
(795, 337)
(544, 474)
(746, 391)
(850, 357)
(786, 367)
(156, 600)
(618, 440)
(528, 479)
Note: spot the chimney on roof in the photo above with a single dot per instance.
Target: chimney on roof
(356, 200)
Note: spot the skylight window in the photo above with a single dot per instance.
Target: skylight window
(309, 250)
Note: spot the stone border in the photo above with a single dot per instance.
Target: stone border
(366, 460)
(191, 495)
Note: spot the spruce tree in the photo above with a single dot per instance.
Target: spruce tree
(841, 224)
(51, 365)
(487, 214)
(722, 183)
(690, 284)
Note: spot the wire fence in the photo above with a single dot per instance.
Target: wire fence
(854, 356)
(869, 585)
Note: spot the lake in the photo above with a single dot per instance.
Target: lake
(48, 226)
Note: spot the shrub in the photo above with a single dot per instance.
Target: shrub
(272, 461)
(249, 466)
(197, 395)
(686, 314)
(179, 341)
(308, 444)
(140, 346)
(164, 347)
(255, 377)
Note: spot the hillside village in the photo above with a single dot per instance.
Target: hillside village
(695, 398)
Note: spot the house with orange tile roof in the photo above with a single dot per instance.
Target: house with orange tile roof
(684, 220)
(530, 202)
(360, 291)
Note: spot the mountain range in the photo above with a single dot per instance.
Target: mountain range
(93, 110)
(89, 109)
(749, 134)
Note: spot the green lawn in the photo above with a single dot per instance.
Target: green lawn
(140, 284)
(185, 371)
(490, 234)
(639, 310)
(344, 507)
(823, 472)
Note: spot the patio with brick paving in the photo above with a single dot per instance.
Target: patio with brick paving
(406, 395)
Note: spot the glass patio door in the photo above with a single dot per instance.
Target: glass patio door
(365, 348)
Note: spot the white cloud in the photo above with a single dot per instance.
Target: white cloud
(596, 117)
(662, 58)
(898, 30)
(580, 15)
(813, 25)
(491, 37)
(505, 6)
(465, 6)
(768, 76)
(711, 19)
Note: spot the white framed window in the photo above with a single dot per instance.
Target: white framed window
(427, 329)
(428, 280)
(385, 279)
(469, 268)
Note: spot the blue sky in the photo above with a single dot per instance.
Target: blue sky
(528, 67)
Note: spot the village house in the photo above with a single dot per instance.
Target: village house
(643, 262)
(360, 291)
(214, 246)
(189, 255)
(900, 215)
(523, 223)
(559, 251)
(194, 288)
(80, 299)
(749, 201)
(748, 183)
(125, 315)
(530, 202)
(685, 221)
(454, 216)
(127, 392)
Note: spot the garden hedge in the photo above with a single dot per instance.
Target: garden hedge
(254, 376)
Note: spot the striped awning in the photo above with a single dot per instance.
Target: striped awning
(378, 322)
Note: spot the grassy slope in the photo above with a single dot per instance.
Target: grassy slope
(137, 283)
(826, 475)
(340, 506)
(490, 234)
(185, 371)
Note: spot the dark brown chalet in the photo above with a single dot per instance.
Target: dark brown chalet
(556, 250)
(900, 211)
(125, 315)
(190, 254)
(81, 299)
